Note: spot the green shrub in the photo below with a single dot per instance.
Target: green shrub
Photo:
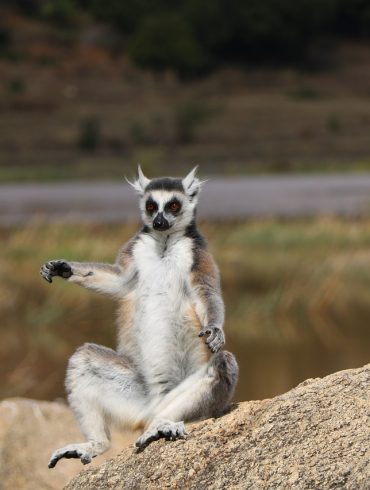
(334, 123)
(137, 133)
(189, 115)
(16, 86)
(167, 41)
(305, 92)
(90, 133)
(59, 11)
(5, 37)
(191, 37)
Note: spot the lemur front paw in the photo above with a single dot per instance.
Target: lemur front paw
(164, 429)
(56, 268)
(215, 338)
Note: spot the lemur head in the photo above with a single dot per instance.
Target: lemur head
(167, 203)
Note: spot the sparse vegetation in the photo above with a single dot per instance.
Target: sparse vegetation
(138, 133)
(90, 133)
(296, 294)
(334, 123)
(305, 92)
(189, 115)
(167, 41)
(16, 86)
(5, 39)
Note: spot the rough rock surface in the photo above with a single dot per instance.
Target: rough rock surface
(316, 436)
(29, 432)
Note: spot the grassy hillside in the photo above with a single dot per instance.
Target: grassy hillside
(73, 107)
(296, 295)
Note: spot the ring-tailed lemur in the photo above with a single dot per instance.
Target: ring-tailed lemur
(162, 373)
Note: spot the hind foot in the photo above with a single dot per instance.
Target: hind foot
(161, 429)
(84, 451)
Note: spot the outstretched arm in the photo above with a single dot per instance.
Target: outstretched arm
(115, 280)
(208, 302)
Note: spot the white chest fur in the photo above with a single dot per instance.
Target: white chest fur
(162, 261)
(163, 280)
(163, 296)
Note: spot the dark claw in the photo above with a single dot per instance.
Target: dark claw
(45, 275)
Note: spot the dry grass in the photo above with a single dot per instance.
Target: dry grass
(297, 296)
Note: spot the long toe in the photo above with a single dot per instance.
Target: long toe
(68, 454)
(53, 462)
(163, 430)
(146, 439)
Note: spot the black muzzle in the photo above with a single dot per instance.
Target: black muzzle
(160, 223)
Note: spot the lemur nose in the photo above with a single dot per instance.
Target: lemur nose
(160, 223)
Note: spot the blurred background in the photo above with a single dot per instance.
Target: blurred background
(265, 95)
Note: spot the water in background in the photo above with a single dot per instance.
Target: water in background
(267, 370)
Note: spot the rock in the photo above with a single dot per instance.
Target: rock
(29, 432)
(316, 436)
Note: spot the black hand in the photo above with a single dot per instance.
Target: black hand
(56, 268)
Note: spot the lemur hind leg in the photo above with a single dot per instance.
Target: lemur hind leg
(206, 393)
(102, 387)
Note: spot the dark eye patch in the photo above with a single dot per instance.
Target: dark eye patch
(151, 206)
(173, 206)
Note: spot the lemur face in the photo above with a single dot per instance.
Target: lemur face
(163, 209)
(168, 204)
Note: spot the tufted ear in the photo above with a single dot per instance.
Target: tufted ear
(140, 183)
(191, 183)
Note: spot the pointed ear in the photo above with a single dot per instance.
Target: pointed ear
(140, 183)
(189, 179)
(142, 179)
(191, 183)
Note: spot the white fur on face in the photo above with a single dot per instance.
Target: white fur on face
(162, 197)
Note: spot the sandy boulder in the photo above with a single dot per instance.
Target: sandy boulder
(29, 431)
(316, 436)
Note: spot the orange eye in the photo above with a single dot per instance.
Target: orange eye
(151, 206)
(174, 206)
